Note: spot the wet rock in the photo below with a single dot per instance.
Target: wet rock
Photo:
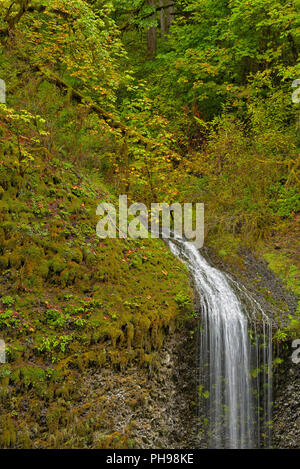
(286, 413)
(154, 412)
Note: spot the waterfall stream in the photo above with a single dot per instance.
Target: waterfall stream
(235, 358)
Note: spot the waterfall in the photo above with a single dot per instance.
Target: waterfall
(235, 358)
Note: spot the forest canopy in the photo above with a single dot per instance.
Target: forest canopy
(187, 93)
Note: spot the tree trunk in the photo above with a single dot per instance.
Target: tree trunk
(170, 15)
(151, 35)
(163, 24)
(13, 20)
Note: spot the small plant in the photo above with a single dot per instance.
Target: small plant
(52, 346)
(202, 393)
(56, 318)
(280, 336)
(183, 301)
(79, 322)
(8, 319)
(7, 301)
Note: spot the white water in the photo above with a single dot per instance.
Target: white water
(234, 400)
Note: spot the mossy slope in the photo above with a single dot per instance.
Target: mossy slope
(70, 302)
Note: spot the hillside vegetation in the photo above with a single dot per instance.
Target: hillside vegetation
(189, 102)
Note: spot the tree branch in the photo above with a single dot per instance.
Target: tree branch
(109, 118)
(128, 24)
(13, 20)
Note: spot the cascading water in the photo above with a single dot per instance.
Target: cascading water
(235, 376)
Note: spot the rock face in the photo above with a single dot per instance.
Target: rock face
(153, 409)
(286, 412)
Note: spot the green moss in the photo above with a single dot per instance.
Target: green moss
(226, 245)
(283, 266)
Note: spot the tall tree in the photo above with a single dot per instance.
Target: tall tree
(169, 14)
(151, 33)
(163, 24)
